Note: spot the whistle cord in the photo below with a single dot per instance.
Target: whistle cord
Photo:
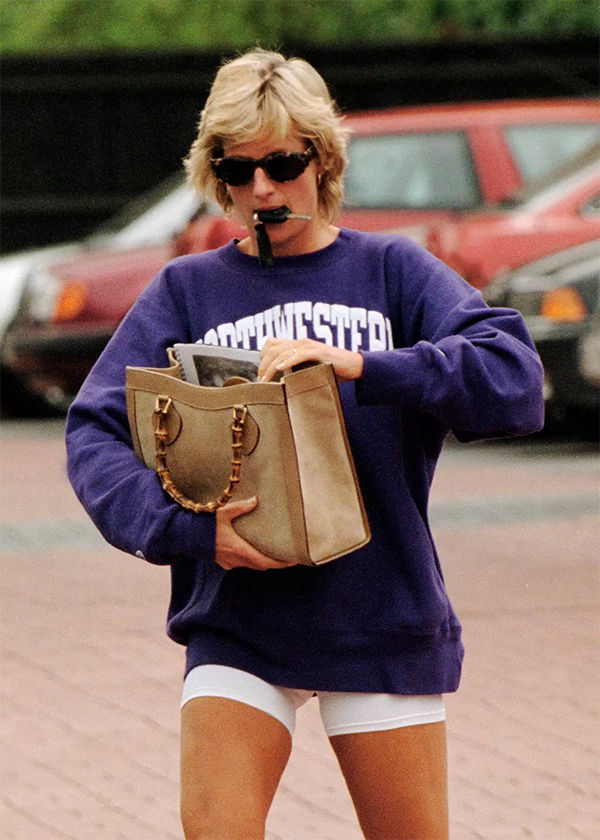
(265, 254)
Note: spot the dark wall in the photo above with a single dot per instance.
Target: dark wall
(81, 136)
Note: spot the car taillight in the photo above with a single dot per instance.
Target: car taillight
(563, 304)
(69, 303)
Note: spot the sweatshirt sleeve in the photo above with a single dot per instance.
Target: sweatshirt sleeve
(123, 497)
(473, 367)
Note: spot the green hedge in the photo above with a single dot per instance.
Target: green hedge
(76, 26)
(534, 18)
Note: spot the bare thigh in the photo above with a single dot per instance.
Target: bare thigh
(397, 779)
(232, 758)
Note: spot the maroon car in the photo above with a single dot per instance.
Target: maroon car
(559, 214)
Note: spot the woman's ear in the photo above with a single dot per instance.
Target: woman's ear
(320, 169)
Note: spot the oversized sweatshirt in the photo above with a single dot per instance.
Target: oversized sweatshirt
(436, 359)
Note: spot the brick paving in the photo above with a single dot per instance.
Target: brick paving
(90, 684)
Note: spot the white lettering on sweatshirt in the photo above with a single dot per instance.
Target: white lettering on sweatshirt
(348, 327)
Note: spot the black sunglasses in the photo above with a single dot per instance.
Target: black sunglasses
(279, 166)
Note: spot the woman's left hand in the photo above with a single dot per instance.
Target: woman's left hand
(280, 355)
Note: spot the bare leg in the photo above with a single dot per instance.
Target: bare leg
(232, 758)
(397, 779)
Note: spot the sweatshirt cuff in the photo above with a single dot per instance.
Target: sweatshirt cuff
(191, 535)
(391, 377)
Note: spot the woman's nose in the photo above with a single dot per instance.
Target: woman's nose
(262, 183)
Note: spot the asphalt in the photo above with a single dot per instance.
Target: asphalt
(90, 684)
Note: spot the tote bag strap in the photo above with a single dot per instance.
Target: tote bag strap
(163, 406)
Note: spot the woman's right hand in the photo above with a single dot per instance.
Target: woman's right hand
(233, 552)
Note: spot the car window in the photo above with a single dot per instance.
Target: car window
(413, 171)
(540, 149)
(557, 189)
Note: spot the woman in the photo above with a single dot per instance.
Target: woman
(417, 353)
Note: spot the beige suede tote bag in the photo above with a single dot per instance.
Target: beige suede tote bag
(284, 442)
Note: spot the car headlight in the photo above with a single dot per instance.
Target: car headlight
(47, 298)
(69, 302)
(563, 304)
(589, 357)
(39, 295)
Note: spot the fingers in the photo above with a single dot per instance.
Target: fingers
(237, 508)
(279, 355)
(231, 550)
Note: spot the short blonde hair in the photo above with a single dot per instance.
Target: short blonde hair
(262, 92)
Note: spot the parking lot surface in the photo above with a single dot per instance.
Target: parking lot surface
(90, 684)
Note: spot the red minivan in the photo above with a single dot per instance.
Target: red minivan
(409, 169)
(559, 214)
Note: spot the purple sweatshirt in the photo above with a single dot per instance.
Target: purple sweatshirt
(436, 359)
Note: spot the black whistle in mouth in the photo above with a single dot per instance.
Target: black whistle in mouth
(269, 217)
(277, 215)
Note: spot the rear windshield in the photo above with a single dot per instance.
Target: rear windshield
(411, 171)
(540, 149)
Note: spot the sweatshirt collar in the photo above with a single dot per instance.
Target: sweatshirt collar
(302, 262)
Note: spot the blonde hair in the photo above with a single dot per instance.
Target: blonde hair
(259, 93)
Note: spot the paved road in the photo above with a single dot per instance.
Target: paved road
(90, 684)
